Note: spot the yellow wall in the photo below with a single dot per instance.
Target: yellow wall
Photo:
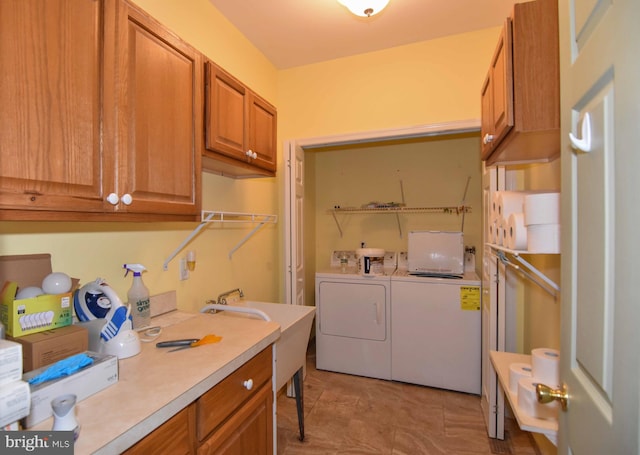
(418, 84)
(433, 172)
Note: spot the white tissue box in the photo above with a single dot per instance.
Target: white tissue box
(14, 402)
(10, 361)
(89, 380)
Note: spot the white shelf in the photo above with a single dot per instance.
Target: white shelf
(457, 210)
(209, 216)
(501, 362)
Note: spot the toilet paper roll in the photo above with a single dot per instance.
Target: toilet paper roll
(516, 232)
(528, 402)
(518, 371)
(510, 202)
(493, 212)
(500, 232)
(542, 208)
(493, 232)
(543, 238)
(545, 366)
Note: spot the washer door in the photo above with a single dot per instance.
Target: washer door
(353, 310)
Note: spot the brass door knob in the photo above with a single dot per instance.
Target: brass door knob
(546, 394)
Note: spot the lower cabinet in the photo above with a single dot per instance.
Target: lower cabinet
(234, 417)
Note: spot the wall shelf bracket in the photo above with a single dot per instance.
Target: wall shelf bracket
(225, 217)
(525, 268)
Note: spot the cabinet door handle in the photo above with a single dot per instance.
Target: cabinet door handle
(583, 144)
(251, 154)
(487, 138)
(248, 384)
(113, 198)
(126, 199)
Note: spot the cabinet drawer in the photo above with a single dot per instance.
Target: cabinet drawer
(174, 437)
(219, 403)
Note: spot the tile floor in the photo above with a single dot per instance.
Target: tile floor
(347, 414)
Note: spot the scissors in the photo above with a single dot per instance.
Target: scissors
(189, 342)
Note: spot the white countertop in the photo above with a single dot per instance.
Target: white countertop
(155, 384)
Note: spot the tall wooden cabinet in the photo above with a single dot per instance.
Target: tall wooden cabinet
(520, 96)
(100, 113)
(240, 128)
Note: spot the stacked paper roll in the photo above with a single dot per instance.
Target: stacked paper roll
(518, 371)
(528, 401)
(500, 232)
(510, 202)
(493, 212)
(545, 366)
(542, 208)
(493, 232)
(542, 218)
(516, 232)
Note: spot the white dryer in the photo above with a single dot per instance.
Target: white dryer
(353, 322)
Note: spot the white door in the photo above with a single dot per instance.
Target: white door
(294, 202)
(600, 73)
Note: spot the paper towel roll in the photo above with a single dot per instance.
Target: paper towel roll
(516, 232)
(545, 364)
(542, 208)
(516, 372)
(500, 240)
(510, 202)
(528, 402)
(543, 238)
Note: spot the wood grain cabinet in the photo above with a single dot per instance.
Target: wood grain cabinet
(233, 418)
(520, 97)
(240, 128)
(100, 113)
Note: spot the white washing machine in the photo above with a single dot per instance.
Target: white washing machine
(353, 320)
(436, 326)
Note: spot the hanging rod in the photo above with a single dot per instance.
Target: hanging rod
(535, 276)
(209, 216)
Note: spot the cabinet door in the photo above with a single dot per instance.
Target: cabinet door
(51, 152)
(500, 94)
(248, 431)
(262, 132)
(174, 437)
(159, 126)
(226, 101)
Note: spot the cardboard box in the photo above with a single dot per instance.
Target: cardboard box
(102, 373)
(10, 361)
(27, 316)
(45, 348)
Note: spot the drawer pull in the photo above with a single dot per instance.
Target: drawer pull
(248, 384)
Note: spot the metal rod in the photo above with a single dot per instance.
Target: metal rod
(543, 284)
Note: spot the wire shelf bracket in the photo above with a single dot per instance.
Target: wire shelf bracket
(225, 217)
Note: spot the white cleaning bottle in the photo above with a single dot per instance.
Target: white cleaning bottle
(138, 297)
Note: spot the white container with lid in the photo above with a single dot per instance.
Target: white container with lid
(370, 261)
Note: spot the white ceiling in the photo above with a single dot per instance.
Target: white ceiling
(299, 32)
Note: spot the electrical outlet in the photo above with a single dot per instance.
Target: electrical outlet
(184, 271)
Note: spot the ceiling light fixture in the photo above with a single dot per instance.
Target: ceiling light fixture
(364, 8)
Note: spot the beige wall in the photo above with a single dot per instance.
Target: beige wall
(419, 84)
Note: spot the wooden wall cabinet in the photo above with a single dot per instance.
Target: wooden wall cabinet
(520, 98)
(240, 128)
(232, 418)
(100, 113)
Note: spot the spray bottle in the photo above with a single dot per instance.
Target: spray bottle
(138, 297)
